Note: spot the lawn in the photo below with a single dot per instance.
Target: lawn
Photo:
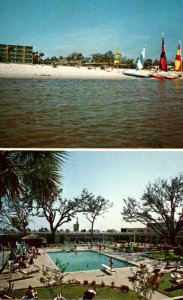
(169, 255)
(75, 292)
(168, 288)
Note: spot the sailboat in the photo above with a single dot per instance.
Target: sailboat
(178, 59)
(162, 73)
(163, 62)
(139, 72)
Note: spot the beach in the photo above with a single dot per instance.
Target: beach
(66, 72)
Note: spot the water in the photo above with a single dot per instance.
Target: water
(85, 260)
(57, 113)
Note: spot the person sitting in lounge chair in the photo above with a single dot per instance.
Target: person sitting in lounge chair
(154, 279)
(179, 282)
(89, 294)
(30, 294)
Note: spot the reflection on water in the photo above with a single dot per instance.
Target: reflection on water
(91, 113)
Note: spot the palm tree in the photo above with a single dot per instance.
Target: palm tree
(9, 182)
(39, 171)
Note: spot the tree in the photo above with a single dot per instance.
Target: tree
(143, 287)
(94, 207)
(14, 216)
(75, 56)
(40, 57)
(52, 277)
(148, 63)
(35, 57)
(60, 211)
(36, 171)
(158, 208)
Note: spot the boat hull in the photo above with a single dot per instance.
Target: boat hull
(138, 74)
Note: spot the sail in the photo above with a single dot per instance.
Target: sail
(117, 57)
(163, 63)
(140, 62)
(178, 60)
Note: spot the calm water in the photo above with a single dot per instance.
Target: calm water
(85, 260)
(130, 113)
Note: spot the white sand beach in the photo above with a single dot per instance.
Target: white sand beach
(68, 72)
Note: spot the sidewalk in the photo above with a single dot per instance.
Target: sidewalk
(120, 277)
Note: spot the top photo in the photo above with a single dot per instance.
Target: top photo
(100, 74)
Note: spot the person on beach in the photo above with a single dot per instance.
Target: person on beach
(111, 263)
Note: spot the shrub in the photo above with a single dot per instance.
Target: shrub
(124, 288)
(93, 283)
(85, 282)
(102, 284)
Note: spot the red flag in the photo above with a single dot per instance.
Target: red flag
(163, 63)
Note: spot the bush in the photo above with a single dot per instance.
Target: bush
(102, 284)
(124, 288)
(85, 282)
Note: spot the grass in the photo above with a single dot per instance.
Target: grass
(168, 288)
(167, 255)
(75, 292)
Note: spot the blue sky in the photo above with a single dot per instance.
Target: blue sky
(116, 175)
(60, 27)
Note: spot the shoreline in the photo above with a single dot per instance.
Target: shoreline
(12, 70)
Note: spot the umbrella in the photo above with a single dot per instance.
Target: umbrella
(32, 236)
(33, 240)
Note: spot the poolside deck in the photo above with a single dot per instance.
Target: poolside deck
(23, 280)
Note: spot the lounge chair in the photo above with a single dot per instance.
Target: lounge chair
(179, 282)
(88, 294)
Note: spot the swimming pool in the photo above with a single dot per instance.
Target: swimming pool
(85, 260)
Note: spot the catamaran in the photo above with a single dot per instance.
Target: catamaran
(163, 73)
(178, 60)
(139, 72)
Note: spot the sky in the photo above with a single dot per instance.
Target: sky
(115, 175)
(61, 27)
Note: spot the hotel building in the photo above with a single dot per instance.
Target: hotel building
(16, 54)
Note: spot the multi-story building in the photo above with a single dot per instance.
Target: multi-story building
(16, 54)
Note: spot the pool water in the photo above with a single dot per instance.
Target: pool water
(85, 260)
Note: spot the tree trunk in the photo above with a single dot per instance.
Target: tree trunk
(53, 231)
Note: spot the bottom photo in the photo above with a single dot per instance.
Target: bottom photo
(91, 224)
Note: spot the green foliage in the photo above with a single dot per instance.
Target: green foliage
(107, 57)
(143, 287)
(51, 277)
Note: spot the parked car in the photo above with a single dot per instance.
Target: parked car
(111, 230)
(43, 230)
